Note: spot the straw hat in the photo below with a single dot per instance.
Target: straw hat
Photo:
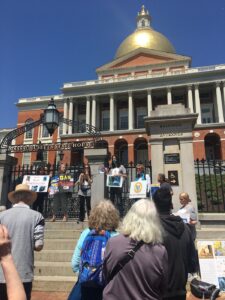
(23, 188)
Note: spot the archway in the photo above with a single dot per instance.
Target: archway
(140, 150)
(121, 151)
(212, 146)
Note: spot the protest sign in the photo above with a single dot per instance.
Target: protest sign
(37, 183)
(114, 181)
(54, 186)
(66, 183)
(138, 189)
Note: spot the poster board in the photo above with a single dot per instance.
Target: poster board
(37, 183)
(114, 181)
(65, 183)
(154, 187)
(212, 262)
(54, 185)
(138, 189)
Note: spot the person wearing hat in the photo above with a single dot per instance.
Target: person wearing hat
(26, 230)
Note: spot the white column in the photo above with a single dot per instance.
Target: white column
(190, 98)
(70, 114)
(224, 97)
(169, 96)
(198, 105)
(130, 111)
(149, 102)
(93, 117)
(65, 115)
(219, 102)
(111, 113)
(88, 110)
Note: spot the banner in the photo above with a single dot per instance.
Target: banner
(66, 183)
(138, 189)
(37, 183)
(212, 262)
(114, 181)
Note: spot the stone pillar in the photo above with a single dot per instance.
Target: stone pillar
(6, 164)
(70, 115)
(219, 103)
(169, 96)
(93, 116)
(96, 158)
(65, 115)
(190, 99)
(149, 101)
(111, 113)
(130, 111)
(88, 110)
(170, 127)
(198, 105)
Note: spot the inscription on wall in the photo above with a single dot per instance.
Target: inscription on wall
(168, 130)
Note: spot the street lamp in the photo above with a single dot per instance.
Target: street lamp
(51, 117)
(61, 155)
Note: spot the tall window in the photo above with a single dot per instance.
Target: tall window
(123, 118)
(207, 112)
(26, 158)
(29, 133)
(141, 112)
(105, 120)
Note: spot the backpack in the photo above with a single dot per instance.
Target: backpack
(92, 254)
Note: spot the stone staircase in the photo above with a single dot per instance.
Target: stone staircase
(52, 265)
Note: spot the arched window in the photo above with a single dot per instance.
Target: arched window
(140, 150)
(121, 151)
(212, 146)
(29, 133)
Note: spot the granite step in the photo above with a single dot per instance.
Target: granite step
(54, 255)
(54, 283)
(215, 233)
(60, 244)
(43, 268)
(63, 234)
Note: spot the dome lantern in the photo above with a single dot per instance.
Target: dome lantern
(143, 18)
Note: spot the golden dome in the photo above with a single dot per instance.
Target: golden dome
(144, 37)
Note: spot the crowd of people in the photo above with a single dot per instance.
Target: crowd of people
(149, 257)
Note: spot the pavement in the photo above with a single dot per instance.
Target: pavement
(64, 296)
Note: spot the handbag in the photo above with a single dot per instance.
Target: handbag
(75, 293)
(202, 290)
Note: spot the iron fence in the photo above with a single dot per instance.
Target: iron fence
(210, 185)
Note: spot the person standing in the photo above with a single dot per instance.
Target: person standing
(84, 192)
(187, 213)
(39, 203)
(117, 171)
(165, 185)
(140, 176)
(62, 195)
(26, 230)
(180, 247)
(144, 276)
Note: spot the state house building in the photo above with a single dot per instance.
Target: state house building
(145, 72)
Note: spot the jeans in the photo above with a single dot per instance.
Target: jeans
(82, 200)
(27, 287)
(116, 198)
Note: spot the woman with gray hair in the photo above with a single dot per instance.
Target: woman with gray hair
(135, 264)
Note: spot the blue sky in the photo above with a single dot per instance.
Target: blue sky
(45, 43)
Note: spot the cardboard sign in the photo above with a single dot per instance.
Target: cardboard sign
(138, 189)
(37, 183)
(54, 187)
(114, 181)
(65, 183)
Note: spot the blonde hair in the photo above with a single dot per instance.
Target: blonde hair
(142, 222)
(185, 196)
(104, 216)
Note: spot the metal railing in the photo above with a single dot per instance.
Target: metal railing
(210, 185)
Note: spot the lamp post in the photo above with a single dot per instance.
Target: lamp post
(51, 117)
